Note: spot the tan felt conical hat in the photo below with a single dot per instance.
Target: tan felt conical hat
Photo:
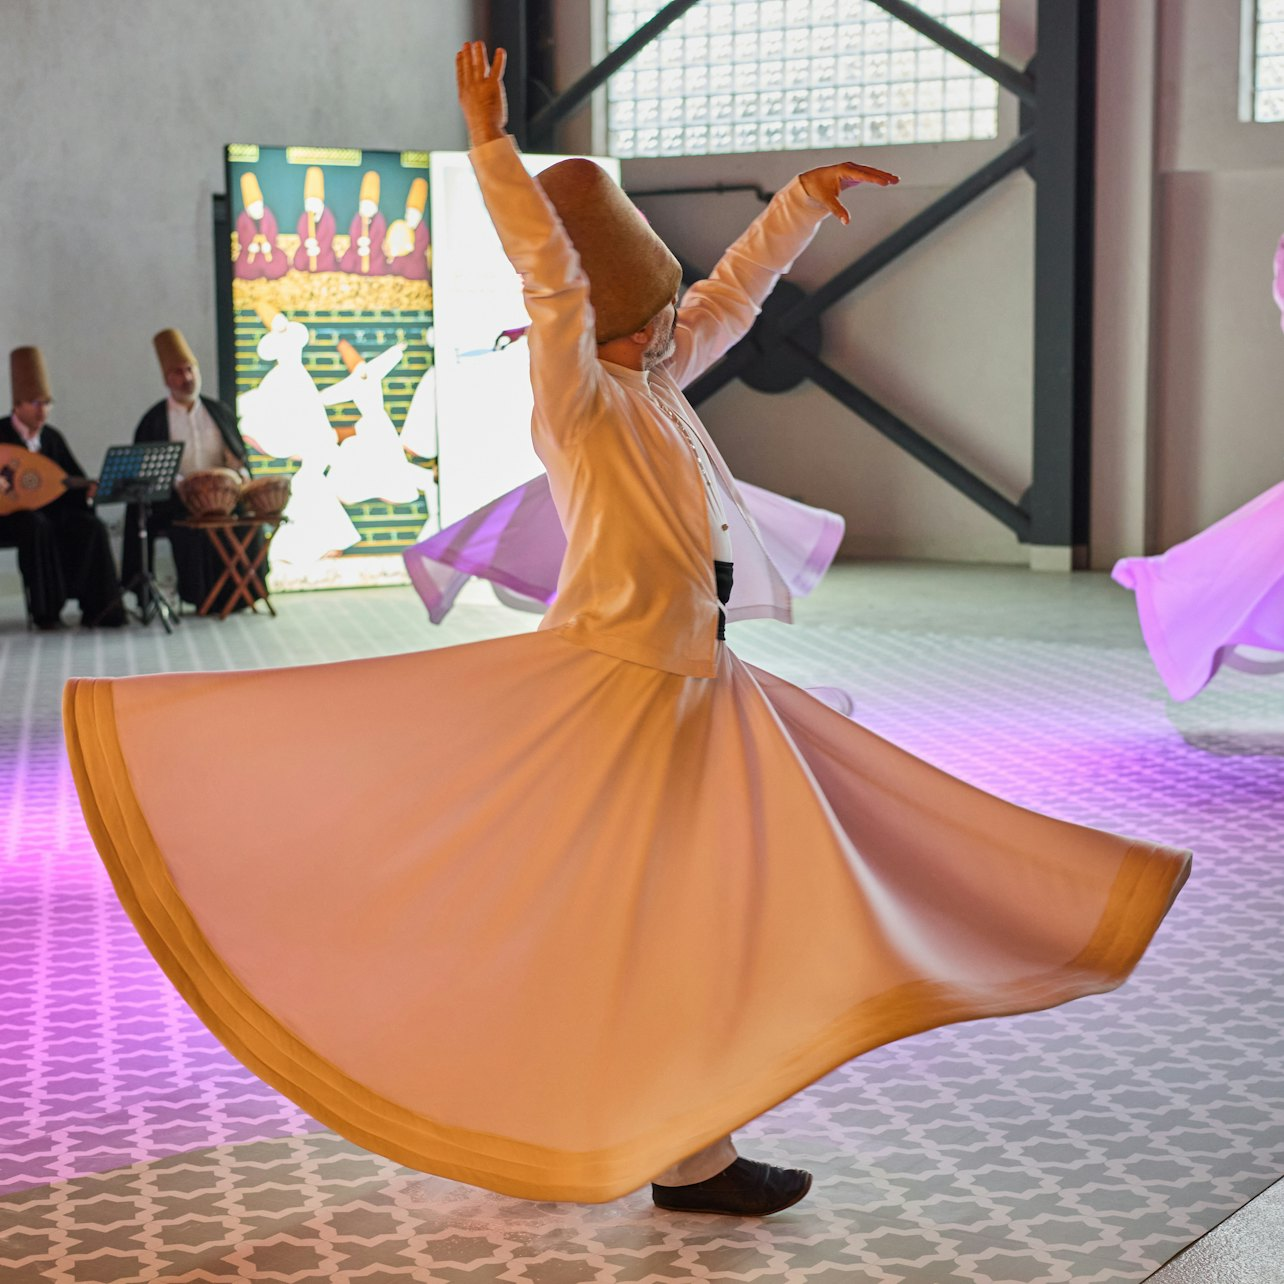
(250, 189)
(268, 313)
(632, 274)
(351, 357)
(28, 376)
(370, 186)
(314, 184)
(172, 350)
(418, 197)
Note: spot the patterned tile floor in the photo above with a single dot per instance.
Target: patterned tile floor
(1086, 1144)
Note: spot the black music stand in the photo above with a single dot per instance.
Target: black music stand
(143, 474)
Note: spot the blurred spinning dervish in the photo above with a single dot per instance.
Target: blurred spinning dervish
(605, 892)
(1217, 598)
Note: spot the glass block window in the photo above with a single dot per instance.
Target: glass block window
(1267, 61)
(786, 75)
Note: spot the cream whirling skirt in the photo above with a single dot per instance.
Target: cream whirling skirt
(530, 917)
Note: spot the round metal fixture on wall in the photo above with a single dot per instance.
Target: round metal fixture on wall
(774, 366)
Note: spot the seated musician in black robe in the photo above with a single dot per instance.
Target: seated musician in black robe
(211, 440)
(63, 548)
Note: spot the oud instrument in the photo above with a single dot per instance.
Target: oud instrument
(29, 480)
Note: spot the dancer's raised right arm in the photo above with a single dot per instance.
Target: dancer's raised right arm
(563, 346)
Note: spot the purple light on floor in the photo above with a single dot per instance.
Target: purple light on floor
(101, 1062)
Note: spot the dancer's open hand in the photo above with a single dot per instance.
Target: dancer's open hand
(481, 91)
(826, 183)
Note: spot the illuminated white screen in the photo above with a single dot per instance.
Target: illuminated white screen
(483, 390)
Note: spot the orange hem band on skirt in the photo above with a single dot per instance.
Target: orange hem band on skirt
(1114, 919)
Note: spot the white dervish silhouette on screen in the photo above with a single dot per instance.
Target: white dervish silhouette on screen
(286, 418)
(372, 463)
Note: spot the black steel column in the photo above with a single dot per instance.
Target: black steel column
(1063, 266)
(224, 317)
(509, 29)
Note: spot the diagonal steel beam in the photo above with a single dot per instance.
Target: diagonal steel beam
(729, 368)
(882, 420)
(878, 416)
(910, 440)
(1003, 73)
(548, 116)
(910, 233)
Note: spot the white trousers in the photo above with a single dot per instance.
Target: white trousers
(704, 1164)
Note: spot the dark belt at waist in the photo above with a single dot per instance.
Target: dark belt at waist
(723, 578)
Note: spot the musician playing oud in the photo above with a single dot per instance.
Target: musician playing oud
(63, 548)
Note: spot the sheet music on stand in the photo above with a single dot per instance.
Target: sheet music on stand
(139, 473)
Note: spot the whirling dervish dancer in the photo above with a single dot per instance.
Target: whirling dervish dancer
(651, 891)
(372, 463)
(1217, 597)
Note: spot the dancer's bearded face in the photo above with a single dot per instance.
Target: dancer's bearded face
(660, 346)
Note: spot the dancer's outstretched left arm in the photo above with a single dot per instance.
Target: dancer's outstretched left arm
(718, 311)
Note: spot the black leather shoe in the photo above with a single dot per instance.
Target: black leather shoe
(746, 1189)
(112, 620)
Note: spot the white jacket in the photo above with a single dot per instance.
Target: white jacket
(637, 581)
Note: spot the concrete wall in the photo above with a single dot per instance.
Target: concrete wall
(116, 114)
(1218, 426)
